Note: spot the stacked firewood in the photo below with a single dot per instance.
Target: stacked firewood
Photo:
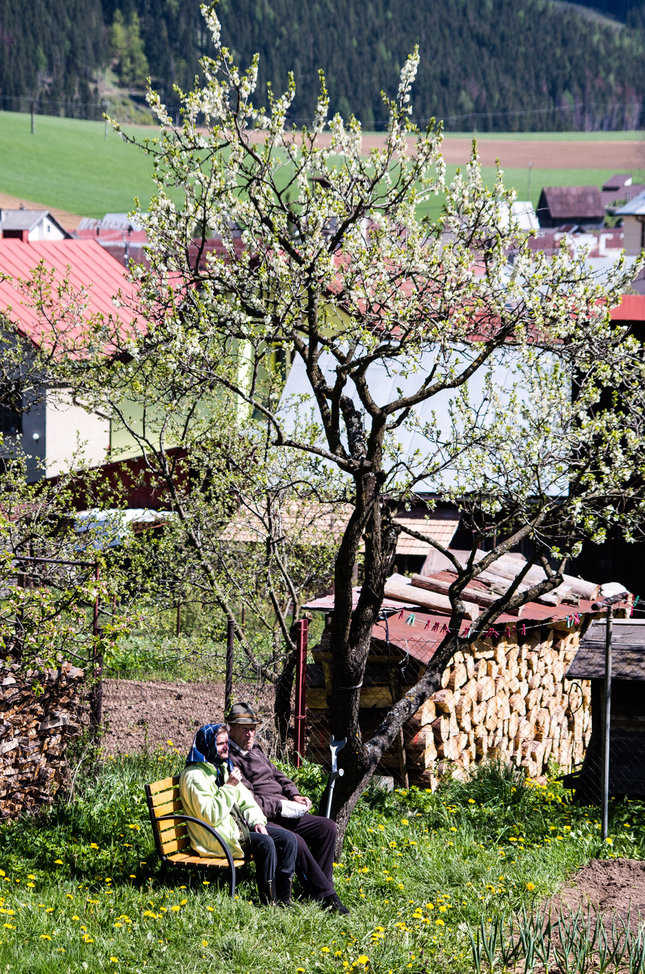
(507, 701)
(42, 711)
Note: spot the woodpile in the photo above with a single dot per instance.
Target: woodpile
(508, 701)
(42, 712)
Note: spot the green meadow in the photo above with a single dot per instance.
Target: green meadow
(87, 168)
(450, 882)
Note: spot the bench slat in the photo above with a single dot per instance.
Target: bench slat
(168, 807)
(164, 785)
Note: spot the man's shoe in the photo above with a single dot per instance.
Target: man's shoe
(283, 892)
(267, 893)
(333, 902)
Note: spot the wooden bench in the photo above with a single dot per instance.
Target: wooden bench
(171, 834)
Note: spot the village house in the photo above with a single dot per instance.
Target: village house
(573, 205)
(47, 422)
(22, 224)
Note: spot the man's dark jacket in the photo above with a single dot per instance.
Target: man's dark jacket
(268, 784)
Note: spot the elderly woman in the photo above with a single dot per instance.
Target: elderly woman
(211, 790)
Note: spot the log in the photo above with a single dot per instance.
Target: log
(442, 586)
(399, 588)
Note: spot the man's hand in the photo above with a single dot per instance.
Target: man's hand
(235, 777)
(302, 800)
(260, 828)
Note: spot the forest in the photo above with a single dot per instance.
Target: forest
(486, 65)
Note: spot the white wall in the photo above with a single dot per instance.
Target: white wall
(633, 231)
(72, 432)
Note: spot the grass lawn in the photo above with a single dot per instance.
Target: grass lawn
(86, 168)
(80, 888)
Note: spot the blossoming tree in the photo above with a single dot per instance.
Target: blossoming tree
(438, 353)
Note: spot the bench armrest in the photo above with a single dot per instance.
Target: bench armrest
(204, 825)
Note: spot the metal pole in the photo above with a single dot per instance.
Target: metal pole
(228, 685)
(606, 727)
(96, 696)
(302, 635)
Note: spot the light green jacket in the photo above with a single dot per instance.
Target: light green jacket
(203, 798)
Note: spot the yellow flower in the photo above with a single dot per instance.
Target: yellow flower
(204, 943)
(609, 840)
(362, 959)
(115, 960)
(45, 936)
(530, 887)
(58, 862)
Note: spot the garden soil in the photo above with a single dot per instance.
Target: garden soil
(146, 715)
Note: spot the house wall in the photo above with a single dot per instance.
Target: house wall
(46, 230)
(633, 231)
(71, 431)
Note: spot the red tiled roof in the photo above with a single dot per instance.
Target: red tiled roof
(631, 308)
(88, 268)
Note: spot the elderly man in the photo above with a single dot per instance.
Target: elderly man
(283, 804)
(211, 790)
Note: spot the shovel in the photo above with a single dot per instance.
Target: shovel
(336, 772)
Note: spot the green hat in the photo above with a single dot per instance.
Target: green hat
(242, 713)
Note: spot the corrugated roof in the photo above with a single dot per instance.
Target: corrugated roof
(438, 528)
(419, 631)
(627, 652)
(574, 202)
(89, 269)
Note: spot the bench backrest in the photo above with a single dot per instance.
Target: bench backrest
(163, 799)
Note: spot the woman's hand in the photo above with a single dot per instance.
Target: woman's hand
(260, 828)
(235, 777)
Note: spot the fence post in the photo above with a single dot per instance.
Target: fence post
(96, 695)
(228, 685)
(606, 737)
(299, 717)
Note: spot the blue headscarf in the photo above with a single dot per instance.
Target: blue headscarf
(205, 749)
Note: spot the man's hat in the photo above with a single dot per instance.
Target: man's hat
(242, 713)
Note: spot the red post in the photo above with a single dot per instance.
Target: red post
(299, 716)
(96, 694)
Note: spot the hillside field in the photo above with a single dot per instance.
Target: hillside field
(77, 168)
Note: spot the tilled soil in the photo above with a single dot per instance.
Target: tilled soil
(613, 886)
(144, 715)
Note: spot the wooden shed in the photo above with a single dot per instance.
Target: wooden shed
(627, 721)
(572, 205)
(504, 695)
